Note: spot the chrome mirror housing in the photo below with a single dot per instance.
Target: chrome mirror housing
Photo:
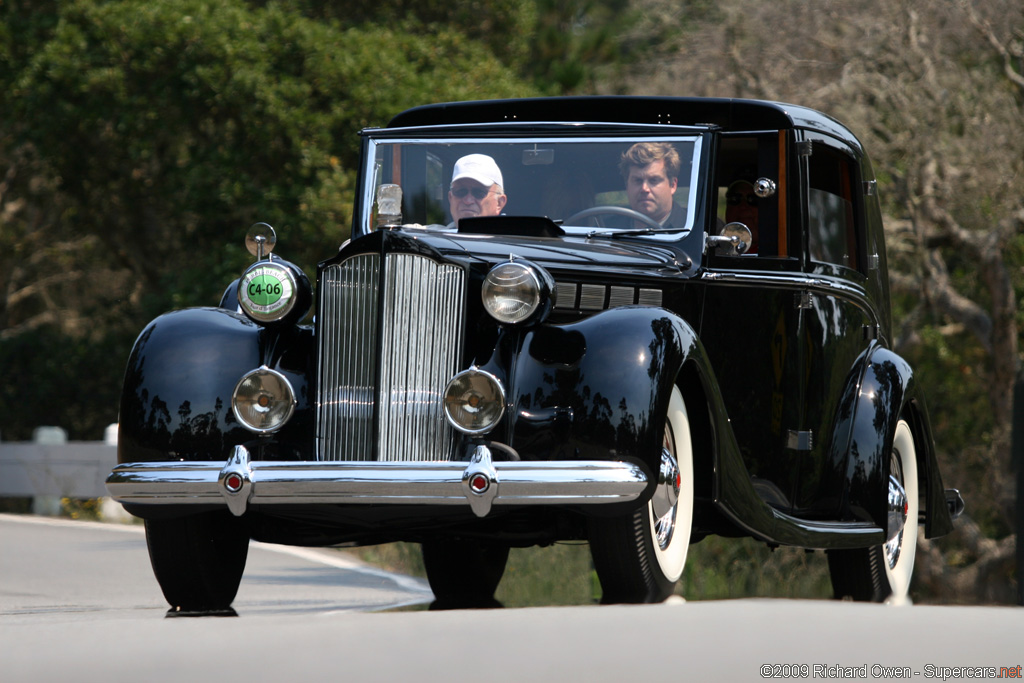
(733, 240)
(260, 240)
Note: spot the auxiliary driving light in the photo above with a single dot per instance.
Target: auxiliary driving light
(513, 291)
(474, 401)
(263, 400)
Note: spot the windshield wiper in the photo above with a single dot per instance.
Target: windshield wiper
(635, 231)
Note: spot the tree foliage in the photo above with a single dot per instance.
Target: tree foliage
(141, 139)
(561, 46)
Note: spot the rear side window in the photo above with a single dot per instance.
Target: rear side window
(833, 211)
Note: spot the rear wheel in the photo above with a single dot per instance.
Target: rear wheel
(198, 560)
(640, 558)
(464, 573)
(882, 573)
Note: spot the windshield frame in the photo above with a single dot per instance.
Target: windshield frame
(692, 185)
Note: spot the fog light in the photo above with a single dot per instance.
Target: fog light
(263, 400)
(474, 401)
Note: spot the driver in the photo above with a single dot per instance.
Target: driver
(476, 188)
(651, 173)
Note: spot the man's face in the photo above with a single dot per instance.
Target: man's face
(650, 190)
(476, 199)
(741, 204)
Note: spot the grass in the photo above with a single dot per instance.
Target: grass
(73, 508)
(716, 568)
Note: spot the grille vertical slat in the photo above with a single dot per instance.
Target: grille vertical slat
(419, 354)
(420, 340)
(347, 350)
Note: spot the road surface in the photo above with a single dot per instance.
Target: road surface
(78, 603)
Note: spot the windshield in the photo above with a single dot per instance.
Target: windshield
(582, 184)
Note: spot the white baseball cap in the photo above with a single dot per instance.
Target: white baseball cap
(478, 167)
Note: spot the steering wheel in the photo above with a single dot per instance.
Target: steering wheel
(614, 211)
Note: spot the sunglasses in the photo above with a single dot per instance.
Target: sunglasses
(478, 192)
(737, 198)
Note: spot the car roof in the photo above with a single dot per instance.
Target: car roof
(731, 115)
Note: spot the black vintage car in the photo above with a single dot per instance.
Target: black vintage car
(673, 321)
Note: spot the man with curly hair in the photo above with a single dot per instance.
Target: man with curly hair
(651, 173)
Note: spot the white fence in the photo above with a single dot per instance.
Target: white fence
(50, 468)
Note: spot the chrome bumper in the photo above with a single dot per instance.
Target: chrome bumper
(481, 483)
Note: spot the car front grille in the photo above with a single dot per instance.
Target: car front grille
(388, 344)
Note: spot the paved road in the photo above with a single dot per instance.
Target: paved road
(55, 566)
(78, 602)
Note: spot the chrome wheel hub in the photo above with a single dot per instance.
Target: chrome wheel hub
(897, 514)
(665, 500)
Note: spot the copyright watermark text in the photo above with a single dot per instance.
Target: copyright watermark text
(880, 671)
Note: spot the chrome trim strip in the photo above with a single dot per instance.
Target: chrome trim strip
(819, 285)
(584, 482)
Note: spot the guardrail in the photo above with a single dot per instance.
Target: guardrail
(50, 468)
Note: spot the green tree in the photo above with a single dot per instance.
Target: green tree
(142, 138)
(561, 46)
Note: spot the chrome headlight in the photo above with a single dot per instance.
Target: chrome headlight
(263, 400)
(267, 291)
(513, 292)
(474, 401)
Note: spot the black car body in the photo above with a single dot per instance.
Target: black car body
(631, 384)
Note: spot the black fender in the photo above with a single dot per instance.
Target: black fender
(873, 402)
(229, 300)
(596, 389)
(880, 390)
(182, 371)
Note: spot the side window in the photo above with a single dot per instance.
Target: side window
(742, 160)
(833, 212)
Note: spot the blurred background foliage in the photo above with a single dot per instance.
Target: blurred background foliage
(140, 138)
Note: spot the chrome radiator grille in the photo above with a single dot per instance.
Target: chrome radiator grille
(413, 315)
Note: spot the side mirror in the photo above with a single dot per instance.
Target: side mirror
(733, 240)
(260, 240)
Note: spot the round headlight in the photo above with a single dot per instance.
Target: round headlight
(474, 401)
(511, 292)
(263, 400)
(267, 291)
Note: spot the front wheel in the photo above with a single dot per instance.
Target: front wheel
(198, 560)
(640, 558)
(882, 573)
(464, 573)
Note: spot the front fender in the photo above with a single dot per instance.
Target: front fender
(597, 388)
(182, 371)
